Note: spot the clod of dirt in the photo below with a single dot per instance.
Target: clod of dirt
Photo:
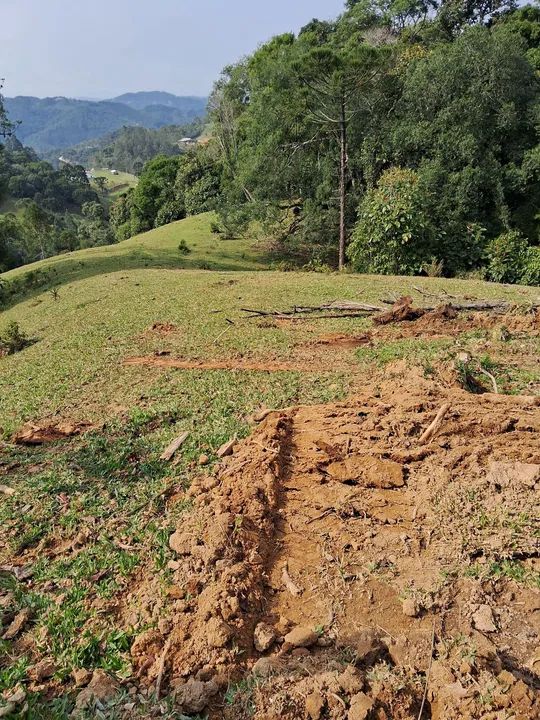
(267, 666)
(42, 670)
(39, 434)
(204, 459)
(315, 705)
(507, 473)
(412, 650)
(367, 471)
(484, 620)
(344, 341)
(361, 705)
(17, 624)
(401, 311)
(81, 676)
(301, 637)
(194, 695)
(410, 608)
(218, 633)
(263, 637)
(100, 689)
(163, 328)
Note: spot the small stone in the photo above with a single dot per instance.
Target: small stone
(483, 619)
(204, 459)
(173, 565)
(314, 705)
(506, 679)
(350, 680)
(301, 637)
(263, 637)
(266, 666)
(367, 644)
(42, 670)
(410, 608)
(360, 708)
(195, 695)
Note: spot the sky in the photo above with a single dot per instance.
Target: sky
(102, 48)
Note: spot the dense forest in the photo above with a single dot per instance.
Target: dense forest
(129, 148)
(49, 123)
(50, 211)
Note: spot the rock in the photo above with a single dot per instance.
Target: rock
(195, 695)
(483, 619)
(301, 637)
(360, 708)
(263, 637)
(42, 670)
(314, 705)
(101, 688)
(410, 608)
(485, 653)
(350, 680)
(17, 624)
(266, 666)
(81, 677)
(204, 459)
(218, 633)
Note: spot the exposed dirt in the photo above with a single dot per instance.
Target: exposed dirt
(46, 432)
(370, 571)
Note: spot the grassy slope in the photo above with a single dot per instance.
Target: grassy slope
(116, 184)
(110, 481)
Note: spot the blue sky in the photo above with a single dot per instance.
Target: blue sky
(101, 48)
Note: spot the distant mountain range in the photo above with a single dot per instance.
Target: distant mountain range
(59, 122)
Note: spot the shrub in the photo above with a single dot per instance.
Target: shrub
(13, 339)
(531, 273)
(393, 234)
(507, 257)
(183, 248)
(433, 268)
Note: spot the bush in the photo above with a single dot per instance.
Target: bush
(507, 257)
(393, 234)
(531, 273)
(183, 248)
(13, 339)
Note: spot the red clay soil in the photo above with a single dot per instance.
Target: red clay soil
(341, 569)
(47, 432)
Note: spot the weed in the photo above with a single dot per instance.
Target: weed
(183, 247)
(13, 339)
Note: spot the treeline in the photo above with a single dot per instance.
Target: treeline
(49, 211)
(129, 148)
(401, 138)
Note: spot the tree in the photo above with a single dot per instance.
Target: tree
(338, 80)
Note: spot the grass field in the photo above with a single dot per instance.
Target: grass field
(116, 184)
(141, 298)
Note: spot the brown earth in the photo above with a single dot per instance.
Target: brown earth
(233, 364)
(46, 432)
(374, 575)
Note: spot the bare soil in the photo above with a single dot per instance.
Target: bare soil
(390, 561)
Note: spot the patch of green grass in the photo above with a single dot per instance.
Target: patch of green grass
(512, 569)
(419, 350)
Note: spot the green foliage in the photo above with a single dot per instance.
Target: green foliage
(507, 257)
(531, 269)
(393, 234)
(13, 339)
(183, 247)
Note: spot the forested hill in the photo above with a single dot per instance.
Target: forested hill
(59, 122)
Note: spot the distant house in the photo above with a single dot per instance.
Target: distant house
(187, 141)
(114, 172)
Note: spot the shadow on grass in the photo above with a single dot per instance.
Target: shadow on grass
(69, 268)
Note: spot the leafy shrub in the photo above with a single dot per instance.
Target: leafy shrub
(13, 339)
(433, 268)
(215, 228)
(531, 273)
(393, 234)
(507, 257)
(183, 248)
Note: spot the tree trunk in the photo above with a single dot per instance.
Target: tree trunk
(342, 184)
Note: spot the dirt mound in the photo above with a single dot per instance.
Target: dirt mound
(47, 432)
(336, 567)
